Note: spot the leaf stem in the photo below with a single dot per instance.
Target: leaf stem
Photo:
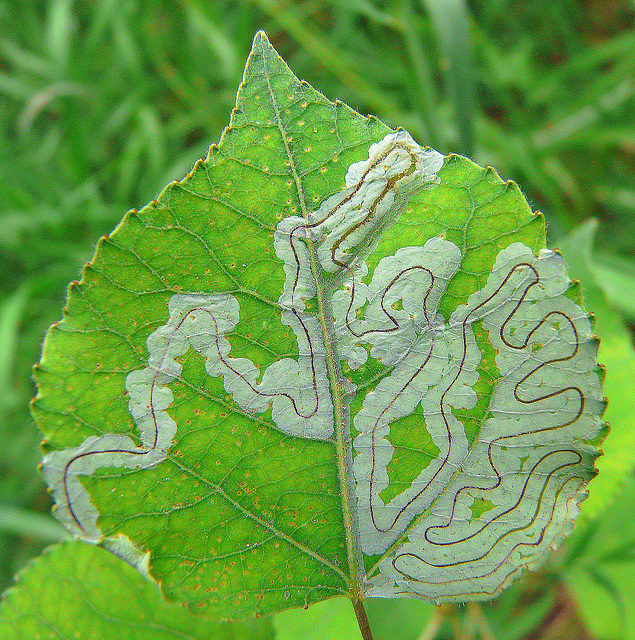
(342, 431)
(341, 425)
(475, 611)
(431, 630)
(453, 619)
(340, 419)
(362, 620)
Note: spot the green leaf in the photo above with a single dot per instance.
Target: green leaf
(616, 276)
(329, 361)
(79, 591)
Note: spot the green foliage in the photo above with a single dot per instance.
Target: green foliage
(330, 620)
(403, 618)
(617, 351)
(98, 596)
(599, 569)
(170, 465)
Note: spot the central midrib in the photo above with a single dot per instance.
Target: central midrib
(340, 415)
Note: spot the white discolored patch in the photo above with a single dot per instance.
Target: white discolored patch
(416, 277)
(297, 390)
(529, 458)
(377, 190)
(149, 400)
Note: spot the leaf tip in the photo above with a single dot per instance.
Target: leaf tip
(261, 34)
(261, 41)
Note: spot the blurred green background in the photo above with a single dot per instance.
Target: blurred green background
(103, 102)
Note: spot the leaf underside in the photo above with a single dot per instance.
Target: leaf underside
(320, 293)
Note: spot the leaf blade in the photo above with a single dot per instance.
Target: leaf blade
(194, 399)
(98, 596)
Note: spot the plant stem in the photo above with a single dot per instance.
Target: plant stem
(476, 612)
(340, 415)
(362, 620)
(434, 624)
(453, 619)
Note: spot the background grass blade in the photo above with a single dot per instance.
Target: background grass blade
(450, 19)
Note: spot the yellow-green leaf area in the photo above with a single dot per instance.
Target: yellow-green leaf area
(488, 375)
(480, 506)
(476, 210)
(414, 450)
